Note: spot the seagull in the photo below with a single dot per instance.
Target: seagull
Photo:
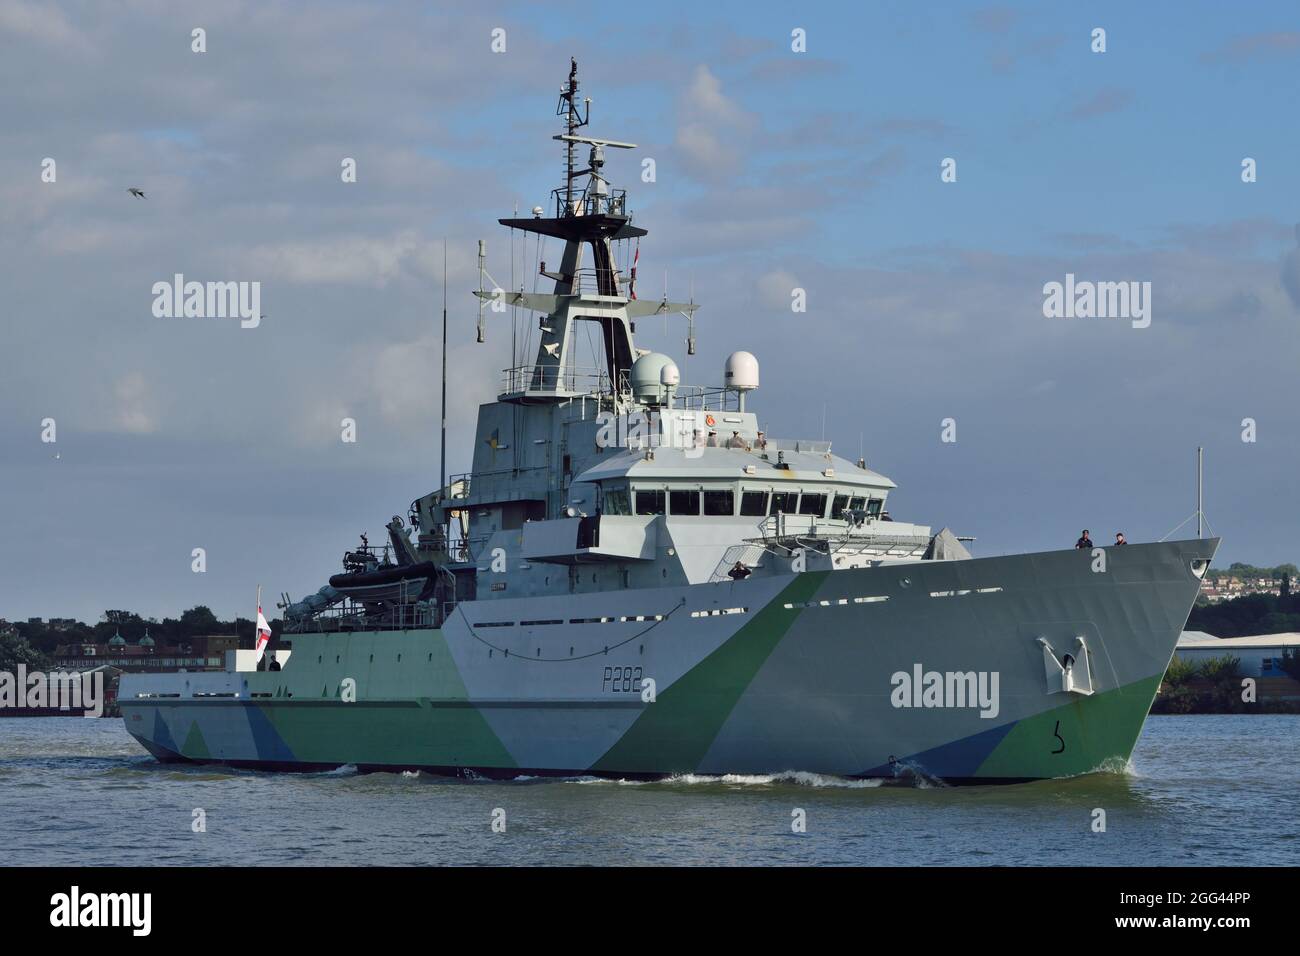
(137, 193)
(552, 349)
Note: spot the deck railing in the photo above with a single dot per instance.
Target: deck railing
(579, 380)
(354, 617)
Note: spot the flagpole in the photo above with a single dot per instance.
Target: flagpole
(257, 618)
(442, 465)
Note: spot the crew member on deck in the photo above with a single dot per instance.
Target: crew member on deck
(1119, 538)
(1085, 541)
(739, 572)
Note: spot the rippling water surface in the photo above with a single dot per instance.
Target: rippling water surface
(1201, 790)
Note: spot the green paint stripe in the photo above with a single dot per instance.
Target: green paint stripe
(1094, 729)
(401, 736)
(195, 747)
(400, 731)
(674, 733)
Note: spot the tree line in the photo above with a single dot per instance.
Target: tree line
(34, 644)
(1249, 614)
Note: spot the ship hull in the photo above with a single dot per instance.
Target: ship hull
(801, 672)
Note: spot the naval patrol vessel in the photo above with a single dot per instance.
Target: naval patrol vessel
(635, 581)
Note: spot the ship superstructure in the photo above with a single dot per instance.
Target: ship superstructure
(635, 580)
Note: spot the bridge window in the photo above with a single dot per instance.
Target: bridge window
(786, 502)
(650, 502)
(838, 505)
(616, 502)
(812, 505)
(857, 503)
(719, 502)
(874, 506)
(684, 502)
(753, 504)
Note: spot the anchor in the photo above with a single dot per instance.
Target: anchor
(1072, 673)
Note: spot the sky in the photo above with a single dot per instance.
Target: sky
(775, 170)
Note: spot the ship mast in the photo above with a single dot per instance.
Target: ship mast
(568, 107)
(589, 216)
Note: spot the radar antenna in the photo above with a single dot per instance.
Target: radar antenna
(588, 215)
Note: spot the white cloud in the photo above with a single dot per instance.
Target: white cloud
(44, 23)
(714, 130)
(774, 288)
(134, 408)
(341, 259)
(1291, 276)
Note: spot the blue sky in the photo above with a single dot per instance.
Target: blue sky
(774, 170)
(1175, 104)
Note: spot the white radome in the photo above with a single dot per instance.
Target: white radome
(647, 377)
(741, 371)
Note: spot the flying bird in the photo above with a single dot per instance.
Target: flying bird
(137, 193)
(552, 349)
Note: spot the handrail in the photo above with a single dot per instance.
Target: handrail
(539, 378)
(613, 201)
(355, 617)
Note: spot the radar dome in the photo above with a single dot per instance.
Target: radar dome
(741, 371)
(648, 380)
(669, 376)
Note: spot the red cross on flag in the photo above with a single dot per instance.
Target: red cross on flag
(263, 629)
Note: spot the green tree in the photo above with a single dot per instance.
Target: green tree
(15, 650)
(1179, 672)
(198, 620)
(1219, 669)
(1224, 676)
